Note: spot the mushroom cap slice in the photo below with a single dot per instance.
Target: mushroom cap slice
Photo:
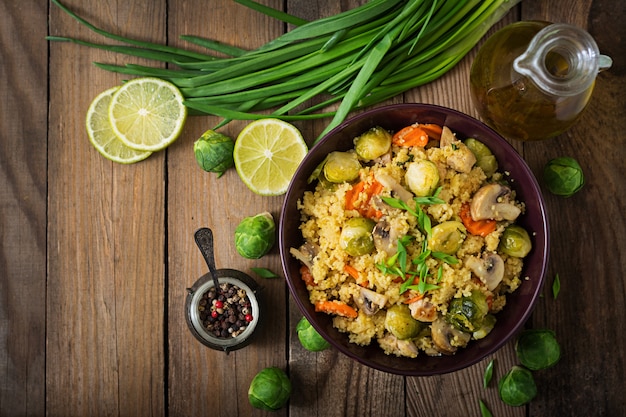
(462, 159)
(489, 268)
(392, 345)
(370, 301)
(423, 310)
(385, 237)
(447, 338)
(492, 201)
(397, 190)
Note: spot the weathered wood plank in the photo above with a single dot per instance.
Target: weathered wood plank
(23, 159)
(586, 231)
(105, 349)
(203, 380)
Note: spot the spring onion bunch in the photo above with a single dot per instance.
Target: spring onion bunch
(348, 61)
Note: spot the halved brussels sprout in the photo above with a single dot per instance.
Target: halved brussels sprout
(447, 237)
(487, 326)
(485, 159)
(467, 313)
(373, 143)
(342, 167)
(399, 322)
(356, 236)
(515, 241)
(422, 177)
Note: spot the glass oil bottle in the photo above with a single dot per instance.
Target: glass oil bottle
(532, 80)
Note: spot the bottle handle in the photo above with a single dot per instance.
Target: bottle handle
(604, 62)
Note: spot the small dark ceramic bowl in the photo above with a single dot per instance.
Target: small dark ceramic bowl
(519, 304)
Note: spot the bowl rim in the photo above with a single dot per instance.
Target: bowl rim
(532, 186)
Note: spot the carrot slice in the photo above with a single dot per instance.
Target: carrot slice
(307, 276)
(414, 298)
(410, 136)
(476, 227)
(354, 273)
(353, 194)
(350, 270)
(432, 130)
(336, 307)
(364, 207)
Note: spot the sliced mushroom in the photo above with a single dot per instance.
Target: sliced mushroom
(397, 190)
(386, 237)
(489, 268)
(384, 159)
(492, 201)
(305, 253)
(370, 301)
(447, 338)
(447, 137)
(462, 159)
(392, 345)
(423, 310)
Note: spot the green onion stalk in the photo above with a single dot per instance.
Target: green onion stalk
(323, 68)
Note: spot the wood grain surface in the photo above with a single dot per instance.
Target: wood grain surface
(96, 258)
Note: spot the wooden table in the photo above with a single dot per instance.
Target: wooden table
(95, 257)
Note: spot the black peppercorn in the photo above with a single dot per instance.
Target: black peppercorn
(225, 311)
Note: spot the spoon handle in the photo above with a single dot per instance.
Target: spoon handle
(204, 240)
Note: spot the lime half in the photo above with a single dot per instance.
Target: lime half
(267, 153)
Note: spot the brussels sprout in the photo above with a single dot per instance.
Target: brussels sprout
(309, 337)
(270, 389)
(356, 236)
(422, 177)
(342, 167)
(517, 387)
(486, 327)
(515, 241)
(255, 235)
(401, 324)
(563, 176)
(447, 237)
(214, 152)
(373, 143)
(485, 159)
(467, 313)
(538, 349)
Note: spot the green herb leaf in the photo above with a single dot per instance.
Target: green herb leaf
(556, 286)
(430, 200)
(451, 260)
(264, 273)
(395, 203)
(488, 374)
(484, 411)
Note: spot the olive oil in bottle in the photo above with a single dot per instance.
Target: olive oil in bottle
(532, 80)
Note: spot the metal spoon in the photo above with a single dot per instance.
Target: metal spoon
(204, 240)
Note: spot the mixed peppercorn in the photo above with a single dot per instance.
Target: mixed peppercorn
(225, 312)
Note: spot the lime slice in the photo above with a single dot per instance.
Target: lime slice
(102, 136)
(267, 153)
(147, 113)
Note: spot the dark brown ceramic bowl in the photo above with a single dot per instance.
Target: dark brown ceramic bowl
(519, 305)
